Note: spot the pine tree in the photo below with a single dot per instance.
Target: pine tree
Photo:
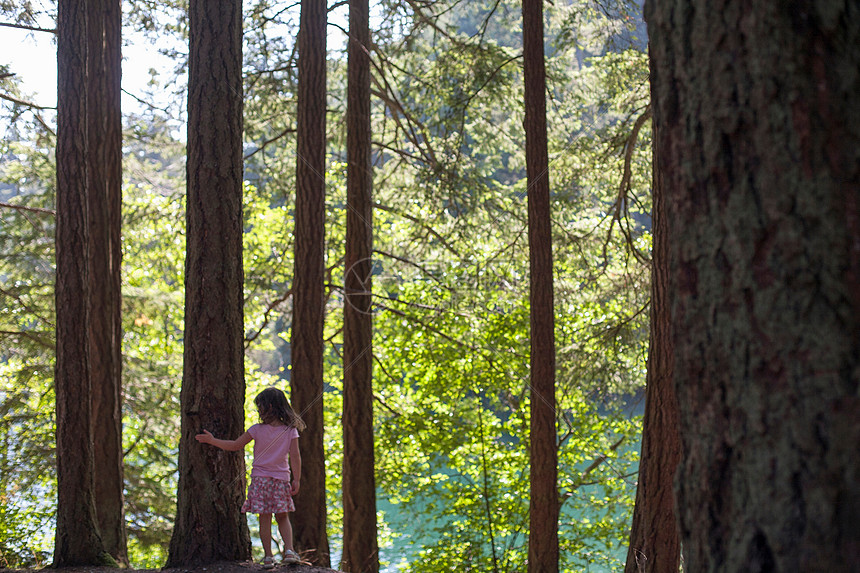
(209, 526)
(306, 378)
(543, 454)
(759, 156)
(360, 549)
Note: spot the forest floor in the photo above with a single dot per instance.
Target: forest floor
(224, 567)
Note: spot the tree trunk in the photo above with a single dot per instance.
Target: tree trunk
(306, 378)
(209, 526)
(543, 454)
(758, 132)
(654, 545)
(77, 539)
(360, 549)
(104, 202)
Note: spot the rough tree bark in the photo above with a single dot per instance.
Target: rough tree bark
(104, 195)
(654, 545)
(360, 549)
(306, 378)
(209, 526)
(756, 112)
(543, 454)
(77, 540)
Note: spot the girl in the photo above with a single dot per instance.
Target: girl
(276, 440)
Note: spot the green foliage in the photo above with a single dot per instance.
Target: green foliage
(153, 295)
(22, 535)
(25, 471)
(26, 343)
(452, 288)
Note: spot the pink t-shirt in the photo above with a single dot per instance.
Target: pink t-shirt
(272, 450)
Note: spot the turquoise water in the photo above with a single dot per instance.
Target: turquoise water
(405, 548)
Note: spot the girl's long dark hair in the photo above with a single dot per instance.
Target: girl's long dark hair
(272, 405)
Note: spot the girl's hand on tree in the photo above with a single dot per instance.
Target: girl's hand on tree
(206, 437)
(294, 487)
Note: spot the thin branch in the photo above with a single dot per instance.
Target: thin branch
(146, 103)
(427, 272)
(262, 71)
(431, 22)
(339, 27)
(29, 104)
(31, 336)
(485, 474)
(390, 377)
(488, 79)
(376, 396)
(30, 209)
(269, 142)
(140, 435)
(487, 18)
(417, 221)
(409, 128)
(403, 154)
(30, 28)
(32, 106)
(387, 95)
(44, 125)
(335, 347)
(430, 328)
(598, 461)
(269, 309)
(624, 188)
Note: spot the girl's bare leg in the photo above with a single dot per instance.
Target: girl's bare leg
(266, 532)
(286, 529)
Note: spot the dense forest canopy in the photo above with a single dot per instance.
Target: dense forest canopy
(450, 274)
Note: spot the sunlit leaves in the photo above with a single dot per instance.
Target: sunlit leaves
(26, 350)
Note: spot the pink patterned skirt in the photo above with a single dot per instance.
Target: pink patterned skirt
(268, 495)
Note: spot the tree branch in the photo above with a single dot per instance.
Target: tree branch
(30, 28)
(594, 465)
(29, 104)
(146, 103)
(421, 223)
(622, 201)
(16, 333)
(30, 209)
(270, 141)
(426, 272)
(269, 309)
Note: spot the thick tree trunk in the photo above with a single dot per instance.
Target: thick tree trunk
(104, 201)
(360, 549)
(77, 539)
(758, 132)
(209, 526)
(306, 378)
(544, 499)
(654, 545)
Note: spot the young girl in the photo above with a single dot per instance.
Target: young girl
(276, 440)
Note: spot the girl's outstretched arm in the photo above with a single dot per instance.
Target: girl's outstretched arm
(295, 466)
(230, 445)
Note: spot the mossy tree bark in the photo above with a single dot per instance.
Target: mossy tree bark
(209, 526)
(360, 548)
(104, 22)
(758, 131)
(306, 377)
(654, 545)
(543, 454)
